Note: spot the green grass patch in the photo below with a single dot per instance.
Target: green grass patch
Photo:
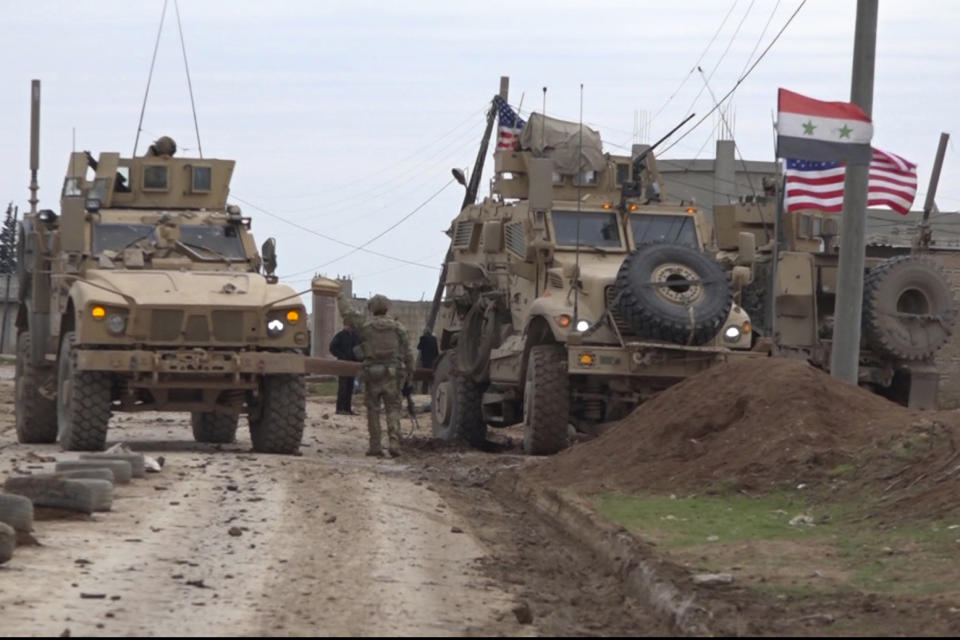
(917, 559)
(680, 522)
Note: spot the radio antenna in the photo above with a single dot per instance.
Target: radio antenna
(146, 93)
(576, 270)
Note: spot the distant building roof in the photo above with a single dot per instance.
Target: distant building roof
(888, 228)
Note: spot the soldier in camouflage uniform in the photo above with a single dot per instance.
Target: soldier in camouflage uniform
(387, 364)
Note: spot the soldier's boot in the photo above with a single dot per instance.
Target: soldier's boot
(373, 428)
(393, 433)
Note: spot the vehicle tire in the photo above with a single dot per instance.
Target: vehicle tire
(138, 465)
(53, 491)
(276, 424)
(456, 413)
(83, 403)
(120, 471)
(214, 427)
(36, 417)
(8, 542)
(16, 511)
(908, 308)
(101, 492)
(673, 293)
(546, 401)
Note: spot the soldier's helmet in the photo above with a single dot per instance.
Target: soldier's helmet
(164, 146)
(378, 305)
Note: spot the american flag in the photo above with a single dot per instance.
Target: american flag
(509, 125)
(818, 185)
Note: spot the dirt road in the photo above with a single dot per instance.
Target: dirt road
(224, 542)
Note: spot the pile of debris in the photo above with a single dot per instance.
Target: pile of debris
(768, 424)
(83, 486)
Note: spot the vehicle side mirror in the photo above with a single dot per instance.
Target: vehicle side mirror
(746, 248)
(269, 253)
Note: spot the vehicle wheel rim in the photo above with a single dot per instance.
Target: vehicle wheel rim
(680, 293)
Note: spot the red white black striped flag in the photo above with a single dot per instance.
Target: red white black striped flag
(810, 129)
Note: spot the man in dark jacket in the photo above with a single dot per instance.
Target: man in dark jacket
(428, 354)
(342, 348)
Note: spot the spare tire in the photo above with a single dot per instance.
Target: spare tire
(674, 293)
(908, 308)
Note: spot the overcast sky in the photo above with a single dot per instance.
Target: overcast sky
(344, 117)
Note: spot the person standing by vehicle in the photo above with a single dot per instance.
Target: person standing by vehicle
(387, 367)
(428, 354)
(342, 347)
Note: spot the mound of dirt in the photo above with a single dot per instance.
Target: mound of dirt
(763, 424)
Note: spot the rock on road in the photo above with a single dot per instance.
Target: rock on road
(225, 542)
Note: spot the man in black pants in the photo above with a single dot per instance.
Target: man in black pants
(428, 354)
(342, 347)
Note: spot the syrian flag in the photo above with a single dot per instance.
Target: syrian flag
(811, 129)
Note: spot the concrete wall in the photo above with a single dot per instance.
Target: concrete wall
(10, 310)
(714, 181)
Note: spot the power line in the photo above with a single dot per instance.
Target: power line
(697, 63)
(421, 149)
(741, 79)
(330, 238)
(723, 55)
(379, 235)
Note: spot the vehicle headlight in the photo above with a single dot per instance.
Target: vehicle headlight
(116, 323)
(275, 327)
(732, 334)
(582, 325)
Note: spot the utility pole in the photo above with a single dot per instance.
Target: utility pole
(845, 352)
(923, 233)
(469, 198)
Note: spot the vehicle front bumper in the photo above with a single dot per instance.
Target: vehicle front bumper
(649, 359)
(190, 361)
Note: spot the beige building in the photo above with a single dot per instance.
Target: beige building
(326, 321)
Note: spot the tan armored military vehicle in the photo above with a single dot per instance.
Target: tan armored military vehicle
(576, 290)
(144, 293)
(908, 307)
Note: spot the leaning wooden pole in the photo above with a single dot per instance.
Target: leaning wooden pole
(469, 198)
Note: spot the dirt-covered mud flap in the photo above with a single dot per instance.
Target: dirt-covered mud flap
(277, 421)
(36, 414)
(674, 293)
(83, 402)
(455, 405)
(908, 308)
(479, 336)
(214, 427)
(546, 401)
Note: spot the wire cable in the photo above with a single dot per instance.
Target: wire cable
(186, 67)
(741, 79)
(695, 64)
(723, 55)
(146, 93)
(330, 238)
(379, 235)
